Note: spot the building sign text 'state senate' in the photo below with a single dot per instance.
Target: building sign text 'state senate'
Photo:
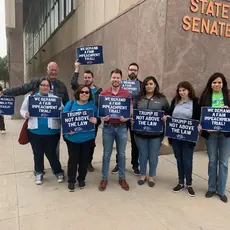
(213, 18)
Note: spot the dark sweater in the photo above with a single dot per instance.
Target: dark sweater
(154, 103)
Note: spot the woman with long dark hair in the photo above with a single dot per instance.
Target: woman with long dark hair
(184, 105)
(215, 95)
(149, 143)
(80, 145)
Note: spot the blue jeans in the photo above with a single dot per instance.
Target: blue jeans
(148, 150)
(183, 151)
(109, 134)
(218, 152)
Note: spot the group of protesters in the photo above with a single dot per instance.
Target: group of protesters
(44, 133)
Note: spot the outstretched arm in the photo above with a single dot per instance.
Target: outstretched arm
(74, 80)
(21, 90)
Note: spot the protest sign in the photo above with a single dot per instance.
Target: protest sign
(44, 106)
(7, 105)
(77, 121)
(215, 119)
(115, 107)
(182, 129)
(132, 86)
(88, 55)
(147, 120)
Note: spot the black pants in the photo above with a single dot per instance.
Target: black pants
(2, 123)
(96, 130)
(45, 144)
(134, 149)
(79, 155)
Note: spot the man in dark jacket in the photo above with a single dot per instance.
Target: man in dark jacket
(58, 88)
(133, 76)
(88, 78)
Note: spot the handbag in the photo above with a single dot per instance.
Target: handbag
(23, 138)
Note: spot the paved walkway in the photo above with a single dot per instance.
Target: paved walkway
(26, 206)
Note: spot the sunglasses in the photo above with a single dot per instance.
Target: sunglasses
(44, 85)
(84, 92)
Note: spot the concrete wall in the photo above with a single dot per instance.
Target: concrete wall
(15, 48)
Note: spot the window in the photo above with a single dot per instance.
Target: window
(44, 19)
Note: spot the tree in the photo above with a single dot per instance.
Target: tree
(4, 73)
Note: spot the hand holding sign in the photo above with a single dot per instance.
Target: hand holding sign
(182, 129)
(78, 121)
(88, 55)
(27, 115)
(122, 119)
(215, 119)
(93, 120)
(114, 107)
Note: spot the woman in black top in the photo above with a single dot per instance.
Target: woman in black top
(149, 143)
(184, 105)
(215, 95)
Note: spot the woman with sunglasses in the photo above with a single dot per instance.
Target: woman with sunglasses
(215, 95)
(80, 145)
(44, 136)
(149, 143)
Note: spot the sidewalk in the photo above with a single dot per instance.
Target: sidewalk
(26, 206)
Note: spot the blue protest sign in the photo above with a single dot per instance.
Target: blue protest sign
(7, 105)
(77, 121)
(88, 55)
(215, 119)
(182, 129)
(147, 120)
(132, 86)
(115, 107)
(44, 106)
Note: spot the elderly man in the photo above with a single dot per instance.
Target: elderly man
(58, 87)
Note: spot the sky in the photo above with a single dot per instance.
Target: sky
(2, 29)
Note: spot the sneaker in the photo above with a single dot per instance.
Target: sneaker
(178, 188)
(209, 194)
(223, 198)
(190, 191)
(90, 168)
(3, 131)
(115, 170)
(71, 187)
(81, 184)
(60, 178)
(136, 171)
(39, 179)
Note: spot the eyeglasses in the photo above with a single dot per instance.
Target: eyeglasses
(84, 92)
(133, 70)
(43, 85)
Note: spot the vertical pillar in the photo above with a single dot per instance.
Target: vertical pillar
(16, 54)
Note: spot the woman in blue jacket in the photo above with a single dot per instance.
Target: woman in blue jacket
(80, 144)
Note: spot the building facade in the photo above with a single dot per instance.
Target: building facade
(172, 40)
